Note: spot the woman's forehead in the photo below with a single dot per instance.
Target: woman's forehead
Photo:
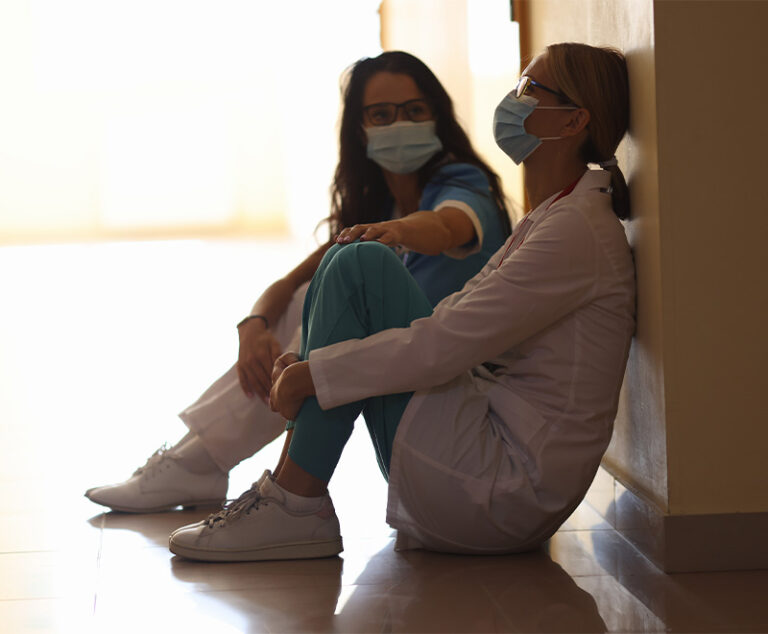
(385, 86)
(538, 69)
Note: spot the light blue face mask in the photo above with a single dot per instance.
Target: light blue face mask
(508, 128)
(404, 146)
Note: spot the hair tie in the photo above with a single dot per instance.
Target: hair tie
(609, 163)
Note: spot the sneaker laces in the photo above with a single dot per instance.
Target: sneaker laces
(233, 509)
(154, 460)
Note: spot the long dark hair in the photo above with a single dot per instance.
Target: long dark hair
(359, 193)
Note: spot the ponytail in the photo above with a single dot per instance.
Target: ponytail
(619, 192)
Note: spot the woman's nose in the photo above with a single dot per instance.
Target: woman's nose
(401, 114)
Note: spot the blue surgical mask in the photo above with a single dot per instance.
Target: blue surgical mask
(404, 146)
(508, 128)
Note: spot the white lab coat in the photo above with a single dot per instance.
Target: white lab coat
(231, 426)
(517, 378)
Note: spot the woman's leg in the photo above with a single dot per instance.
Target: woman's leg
(283, 453)
(358, 290)
(225, 427)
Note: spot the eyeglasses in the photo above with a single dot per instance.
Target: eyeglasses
(526, 82)
(386, 113)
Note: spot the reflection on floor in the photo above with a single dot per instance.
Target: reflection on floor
(103, 344)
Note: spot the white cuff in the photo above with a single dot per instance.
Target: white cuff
(461, 252)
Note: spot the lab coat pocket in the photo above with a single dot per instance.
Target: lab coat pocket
(517, 421)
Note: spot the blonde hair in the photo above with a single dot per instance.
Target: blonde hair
(596, 79)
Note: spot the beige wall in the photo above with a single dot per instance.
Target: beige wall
(691, 430)
(451, 37)
(713, 135)
(628, 26)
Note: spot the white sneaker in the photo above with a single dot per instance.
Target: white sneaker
(257, 526)
(161, 485)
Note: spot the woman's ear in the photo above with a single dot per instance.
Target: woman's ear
(578, 120)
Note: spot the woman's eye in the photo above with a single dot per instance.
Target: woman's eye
(418, 112)
(378, 115)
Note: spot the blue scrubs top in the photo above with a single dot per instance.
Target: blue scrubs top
(466, 187)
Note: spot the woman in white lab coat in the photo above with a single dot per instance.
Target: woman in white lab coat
(491, 413)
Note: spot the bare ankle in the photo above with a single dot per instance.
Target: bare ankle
(294, 479)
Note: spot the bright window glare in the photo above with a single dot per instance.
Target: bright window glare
(171, 113)
(493, 37)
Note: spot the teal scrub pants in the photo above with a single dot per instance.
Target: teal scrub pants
(358, 290)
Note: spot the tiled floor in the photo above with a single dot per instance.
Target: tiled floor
(101, 345)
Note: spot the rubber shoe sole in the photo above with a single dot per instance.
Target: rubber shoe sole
(167, 507)
(299, 550)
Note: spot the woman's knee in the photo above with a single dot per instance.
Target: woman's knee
(330, 254)
(365, 255)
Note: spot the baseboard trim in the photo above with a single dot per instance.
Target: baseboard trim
(681, 543)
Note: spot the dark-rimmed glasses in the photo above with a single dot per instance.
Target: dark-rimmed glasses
(386, 113)
(525, 82)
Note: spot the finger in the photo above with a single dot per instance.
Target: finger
(263, 363)
(277, 370)
(289, 358)
(265, 382)
(243, 378)
(282, 362)
(258, 381)
(387, 238)
(275, 352)
(353, 233)
(372, 233)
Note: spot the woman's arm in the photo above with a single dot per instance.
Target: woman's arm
(554, 272)
(275, 299)
(428, 232)
(258, 346)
